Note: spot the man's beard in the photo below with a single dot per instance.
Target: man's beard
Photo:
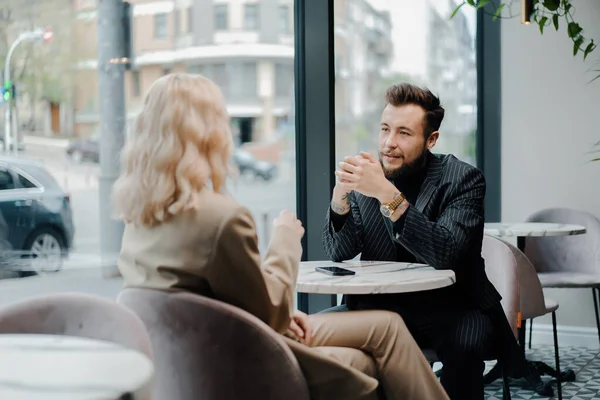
(406, 169)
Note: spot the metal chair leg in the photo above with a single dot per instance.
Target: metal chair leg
(530, 332)
(557, 357)
(505, 386)
(595, 292)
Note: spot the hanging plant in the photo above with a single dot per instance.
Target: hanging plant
(596, 152)
(545, 13)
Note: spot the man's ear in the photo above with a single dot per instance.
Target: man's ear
(432, 140)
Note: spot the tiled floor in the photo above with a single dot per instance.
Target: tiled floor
(584, 362)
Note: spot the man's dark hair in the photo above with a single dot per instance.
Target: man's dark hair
(405, 93)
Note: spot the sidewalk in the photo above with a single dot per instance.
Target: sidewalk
(60, 143)
(84, 281)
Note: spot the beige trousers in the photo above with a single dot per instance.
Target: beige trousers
(378, 344)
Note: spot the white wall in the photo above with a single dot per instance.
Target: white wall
(550, 118)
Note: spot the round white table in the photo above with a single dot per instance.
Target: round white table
(49, 367)
(372, 278)
(531, 229)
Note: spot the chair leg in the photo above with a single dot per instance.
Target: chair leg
(530, 332)
(595, 292)
(505, 387)
(557, 357)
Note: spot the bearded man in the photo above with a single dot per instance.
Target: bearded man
(411, 205)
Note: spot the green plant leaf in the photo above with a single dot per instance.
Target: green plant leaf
(471, 2)
(555, 21)
(498, 12)
(574, 29)
(457, 9)
(590, 47)
(552, 5)
(577, 45)
(482, 3)
(542, 23)
(595, 159)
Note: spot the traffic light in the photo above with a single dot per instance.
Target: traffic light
(128, 29)
(8, 91)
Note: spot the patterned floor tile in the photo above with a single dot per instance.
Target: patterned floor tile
(584, 362)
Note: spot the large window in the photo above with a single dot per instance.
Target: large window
(59, 116)
(60, 120)
(378, 44)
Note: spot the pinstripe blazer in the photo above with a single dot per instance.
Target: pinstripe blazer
(444, 228)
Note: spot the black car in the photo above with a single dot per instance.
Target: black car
(247, 164)
(36, 223)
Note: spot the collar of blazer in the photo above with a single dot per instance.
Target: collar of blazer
(430, 184)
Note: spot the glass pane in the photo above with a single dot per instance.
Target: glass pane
(58, 121)
(221, 16)
(6, 180)
(25, 183)
(380, 43)
(251, 17)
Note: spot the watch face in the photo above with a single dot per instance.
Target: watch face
(385, 211)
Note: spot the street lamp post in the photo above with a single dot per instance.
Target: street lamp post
(41, 34)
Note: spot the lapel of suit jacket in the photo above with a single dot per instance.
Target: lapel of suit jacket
(434, 173)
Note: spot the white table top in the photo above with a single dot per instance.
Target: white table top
(522, 229)
(52, 367)
(372, 277)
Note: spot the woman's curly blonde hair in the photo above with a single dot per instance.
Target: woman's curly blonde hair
(181, 143)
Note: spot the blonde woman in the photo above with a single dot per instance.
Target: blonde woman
(183, 232)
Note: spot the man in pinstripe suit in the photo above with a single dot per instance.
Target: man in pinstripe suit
(414, 206)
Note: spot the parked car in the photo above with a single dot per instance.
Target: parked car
(84, 149)
(247, 164)
(36, 223)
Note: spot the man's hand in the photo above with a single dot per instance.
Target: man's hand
(340, 203)
(364, 174)
(300, 328)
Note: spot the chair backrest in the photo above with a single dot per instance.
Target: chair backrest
(207, 349)
(577, 253)
(533, 303)
(76, 314)
(502, 270)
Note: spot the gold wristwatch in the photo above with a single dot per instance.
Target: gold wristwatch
(387, 209)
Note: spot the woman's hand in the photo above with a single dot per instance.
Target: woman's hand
(300, 328)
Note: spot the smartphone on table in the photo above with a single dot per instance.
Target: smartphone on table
(335, 271)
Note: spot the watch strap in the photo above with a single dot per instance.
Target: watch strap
(394, 204)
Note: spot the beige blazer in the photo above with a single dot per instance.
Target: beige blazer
(213, 251)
